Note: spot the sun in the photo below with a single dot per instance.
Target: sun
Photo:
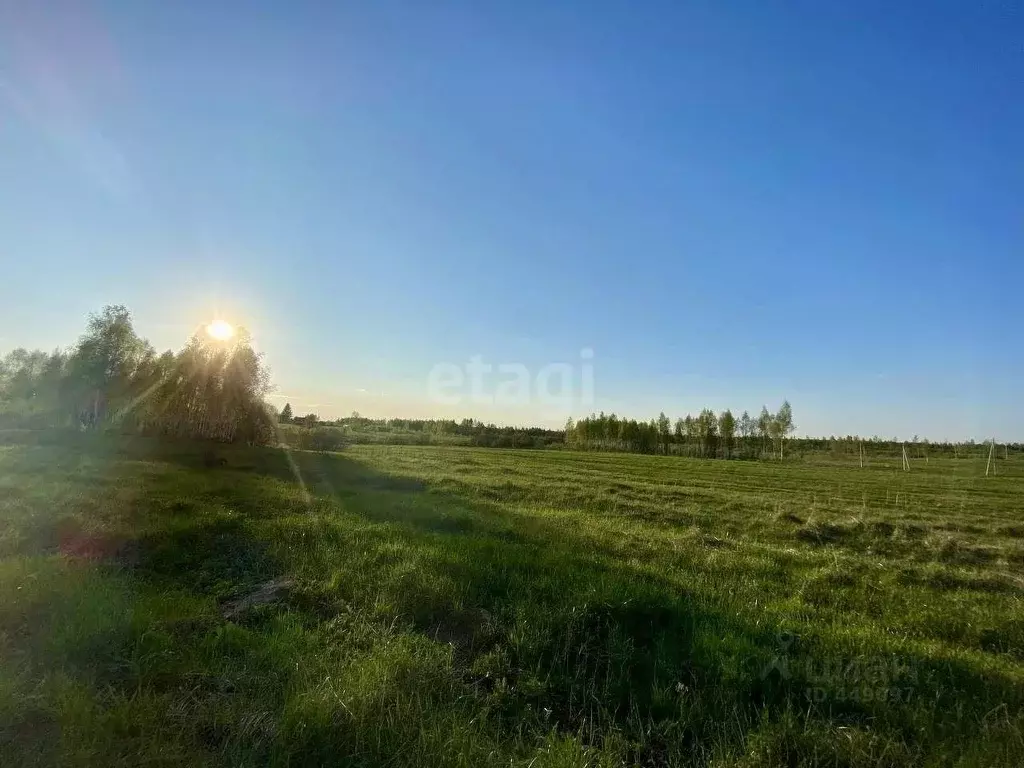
(220, 330)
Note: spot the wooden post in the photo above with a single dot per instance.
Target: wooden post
(991, 448)
(862, 454)
(906, 462)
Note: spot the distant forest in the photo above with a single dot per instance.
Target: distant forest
(765, 437)
(216, 390)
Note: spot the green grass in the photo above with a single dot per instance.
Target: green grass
(473, 607)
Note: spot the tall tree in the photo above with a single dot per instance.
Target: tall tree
(286, 414)
(690, 425)
(613, 430)
(764, 422)
(746, 428)
(784, 420)
(707, 427)
(775, 433)
(727, 431)
(104, 361)
(664, 431)
(570, 432)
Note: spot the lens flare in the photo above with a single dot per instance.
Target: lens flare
(220, 330)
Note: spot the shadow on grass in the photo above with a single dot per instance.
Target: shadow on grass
(550, 631)
(547, 631)
(217, 557)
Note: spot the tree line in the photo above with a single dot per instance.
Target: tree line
(767, 435)
(357, 429)
(112, 378)
(215, 390)
(705, 435)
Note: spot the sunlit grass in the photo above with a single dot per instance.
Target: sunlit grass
(482, 607)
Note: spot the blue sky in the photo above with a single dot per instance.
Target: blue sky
(729, 203)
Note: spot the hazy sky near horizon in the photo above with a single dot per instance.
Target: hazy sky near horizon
(729, 203)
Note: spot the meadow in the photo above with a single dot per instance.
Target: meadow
(168, 603)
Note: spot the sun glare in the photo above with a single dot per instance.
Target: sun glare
(220, 330)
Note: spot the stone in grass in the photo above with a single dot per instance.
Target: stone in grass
(266, 593)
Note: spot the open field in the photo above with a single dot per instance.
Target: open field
(473, 607)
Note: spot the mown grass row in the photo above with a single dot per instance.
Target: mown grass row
(476, 607)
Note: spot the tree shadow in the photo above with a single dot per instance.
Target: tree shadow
(217, 557)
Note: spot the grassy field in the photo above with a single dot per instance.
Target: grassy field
(472, 607)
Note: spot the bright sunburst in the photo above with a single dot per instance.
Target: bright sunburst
(220, 330)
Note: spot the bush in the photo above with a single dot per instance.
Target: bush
(326, 439)
(315, 439)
